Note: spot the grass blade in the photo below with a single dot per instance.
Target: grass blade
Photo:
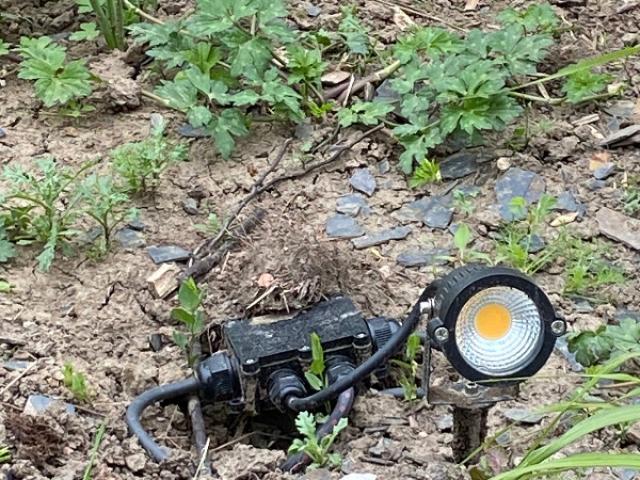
(94, 450)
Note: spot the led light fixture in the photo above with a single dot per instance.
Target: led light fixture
(493, 324)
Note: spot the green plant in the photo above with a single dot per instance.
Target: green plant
(606, 342)
(57, 82)
(583, 85)
(141, 163)
(546, 457)
(213, 225)
(4, 48)
(315, 374)
(227, 56)
(76, 382)
(42, 208)
(106, 204)
(7, 249)
(408, 367)
(463, 203)
(353, 33)
(367, 113)
(5, 286)
(305, 68)
(515, 239)
(462, 239)
(631, 200)
(97, 441)
(427, 172)
(5, 455)
(317, 450)
(191, 315)
(110, 19)
(587, 272)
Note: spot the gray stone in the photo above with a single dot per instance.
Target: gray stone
(188, 131)
(445, 423)
(136, 224)
(190, 206)
(567, 202)
(434, 212)
(622, 137)
(313, 10)
(619, 227)
(343, 226)
(522, 415)
(563, 348)
(626, 473)
(360, 476)
(3, 132)
(363, 181)
(518, 183)
(460, 165)
(384, 236)
(92, 235)
(536, 243)
(168, 253)
(593, 184)
(583, 306)
(623, 314)
(136, 462)
(155, 342)
(130, 239)
(303, 131)
(384, 167)
(422, 258)
(353, 204)
(37, 404)
(604, 172)
(384, 93)
(16, 365)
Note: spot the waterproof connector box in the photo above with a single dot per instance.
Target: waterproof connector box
(266, 343)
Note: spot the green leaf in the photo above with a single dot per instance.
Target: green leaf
(306, 424)
(88, 31)
(426, 41)
(223, 128)
(313, 380)
(537, 17)
(582, 85)
(7, 249)
(183, 315)
(317, 356)
(180, 93)
(251, 59)
(4, 47)
(463, 236)
(189, 295)
(367, 113)
(5, 287)
(180, 339)
(354, 33)
(199, 116)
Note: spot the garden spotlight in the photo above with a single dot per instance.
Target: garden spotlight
(493, 324)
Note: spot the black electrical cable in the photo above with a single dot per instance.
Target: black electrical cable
(365, 369)
(398, 392)
(295, 463)
(169, 391)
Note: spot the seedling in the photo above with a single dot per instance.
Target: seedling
(606, 342)
(191, 315)
(366, 113)
(76, 382)
(631, 200)
(141, 163)
(97, 441)
(57, 82)
(427, 172)
(408, 367)
(5, 455)
(581, 86)
(305, 67)
(463, 203)
(212, 227)
(588, 272)
(317, 450)
(106, 204)
(42, 208)
(353, 33)
(4, 47)
(462, 240)
(7, 249)
(315, 375)
(5, 286)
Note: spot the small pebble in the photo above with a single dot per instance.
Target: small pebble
(604, 172)
(155, 342)
(313, 10)
(3, 132)
(168, 253)
(16, 365)
(522, 415)
(37, 404)
(353, 204)
(190, 206)
(130, 239)
(378, 238)
(136, 224)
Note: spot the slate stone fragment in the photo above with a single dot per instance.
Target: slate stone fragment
(168, 253)
(343, 226)
(363, 181)
(378, 238)
(130, 239)
(423, 258)
(353, 204)
(517, 183)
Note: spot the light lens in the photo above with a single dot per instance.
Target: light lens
(499, 331)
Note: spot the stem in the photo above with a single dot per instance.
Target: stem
(142, 13)
(103, 22)
(160, 100)
(534, 98)
(118, 24)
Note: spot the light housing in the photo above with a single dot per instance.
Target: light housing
(494, 324)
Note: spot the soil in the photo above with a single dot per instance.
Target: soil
(99, 315)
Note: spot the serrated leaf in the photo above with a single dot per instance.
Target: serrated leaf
(354, 33)
(88, 31)
(7, 250)
(152, 33)
(306, 424)
(181, 94)
(251, 59)
(428, 41)
(582, 85)
(199, 116)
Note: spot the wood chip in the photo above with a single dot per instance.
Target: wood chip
(401, 19)
(164, 280)
(617, 138)
(564, 219)
(335, 77)
(587, 119)
(619, 227)
(471, 5)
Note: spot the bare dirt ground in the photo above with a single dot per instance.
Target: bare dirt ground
(100, 315)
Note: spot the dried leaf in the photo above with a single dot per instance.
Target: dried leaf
(471, 5)
(564, 219)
